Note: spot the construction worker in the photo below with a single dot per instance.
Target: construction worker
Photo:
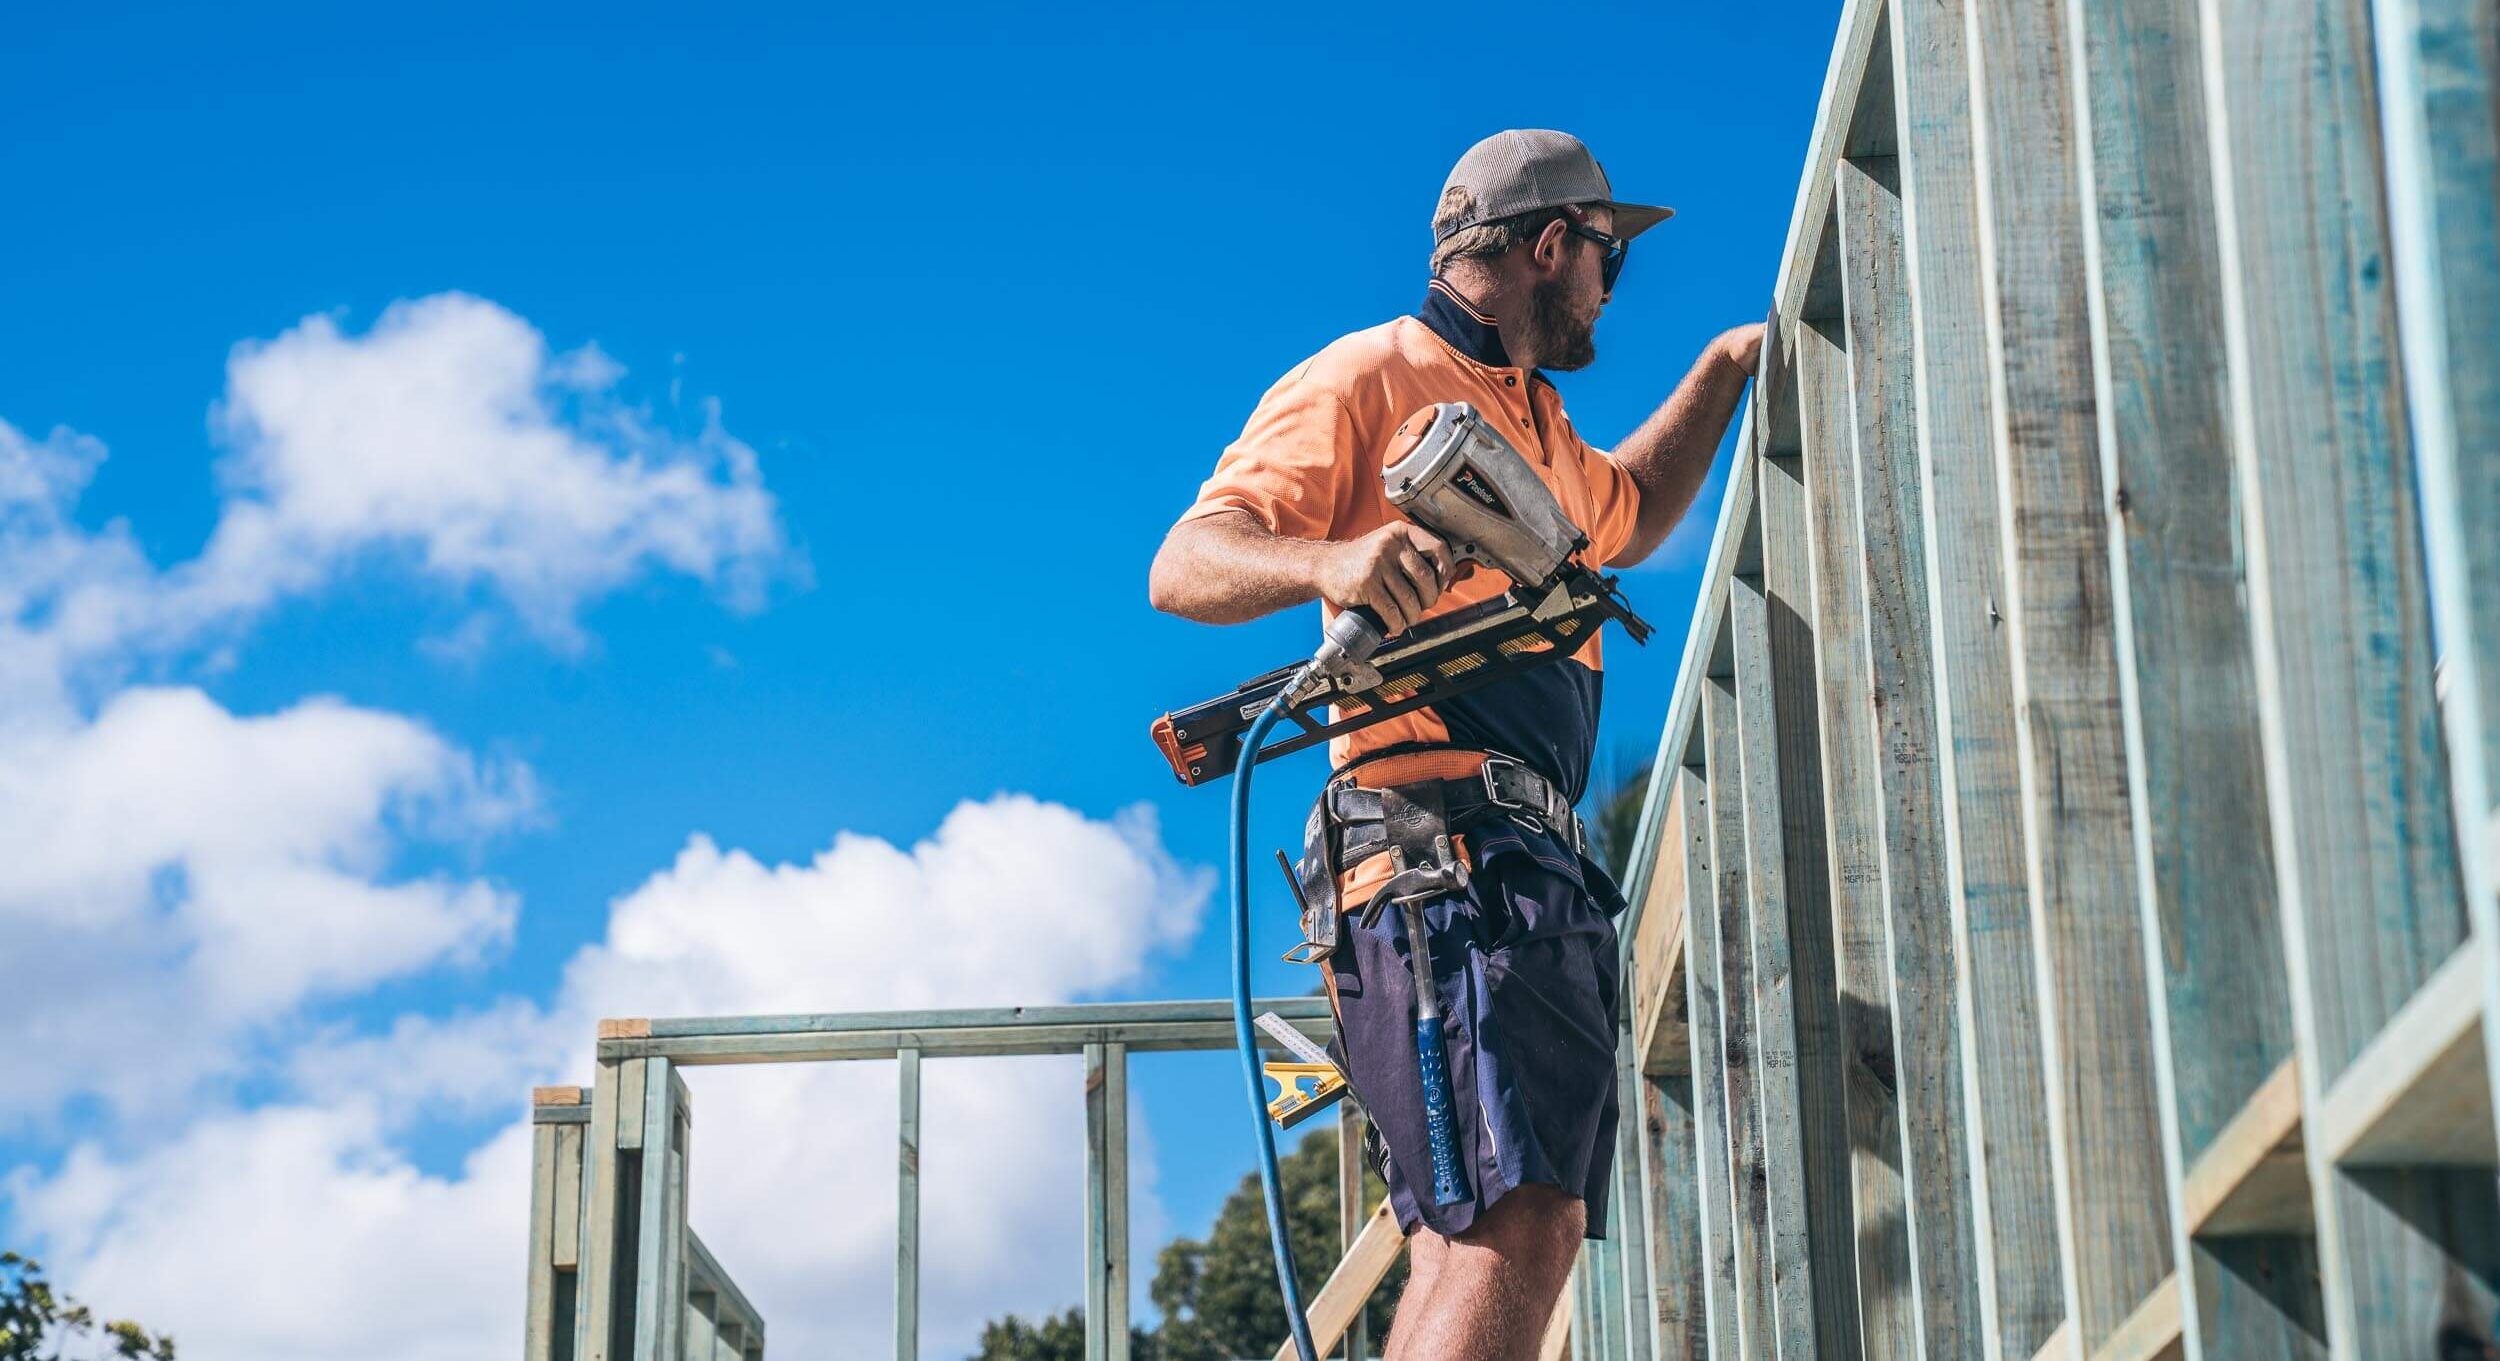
(1527, 243)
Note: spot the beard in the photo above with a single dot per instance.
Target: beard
(1564, 339)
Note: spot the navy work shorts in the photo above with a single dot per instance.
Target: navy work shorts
(1526, 964)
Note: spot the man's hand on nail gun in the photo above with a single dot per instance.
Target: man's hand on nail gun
(1742, 346)
(1398, 570)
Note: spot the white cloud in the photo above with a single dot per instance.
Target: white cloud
(179, 883)
(291, 1232)
(1012, 900)
(171, 872)
(449, 432)
(447, 441)
(176, 878)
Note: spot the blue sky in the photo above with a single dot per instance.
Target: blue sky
(983, 290)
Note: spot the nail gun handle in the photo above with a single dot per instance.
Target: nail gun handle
(1353, 636)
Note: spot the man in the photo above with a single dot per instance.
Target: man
(1527, 242)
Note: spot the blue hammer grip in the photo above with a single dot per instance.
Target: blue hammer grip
(1449, 1183)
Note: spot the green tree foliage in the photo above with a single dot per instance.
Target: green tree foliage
(1058, 1337)
(37, 1321)
(1218, 1295)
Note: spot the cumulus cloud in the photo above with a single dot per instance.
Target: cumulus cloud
(187, 876)
(292, 1232)
(1011, 900)
(182, 886)
(184, 873)
(450, 433)
(446, 441)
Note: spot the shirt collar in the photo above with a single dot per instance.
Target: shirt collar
(1467, 328)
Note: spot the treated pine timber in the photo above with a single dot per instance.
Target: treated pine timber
(1712, 1156)
(2365, 844)
(659, 1262)
(1627, 1209)
(2021, 1293)
(2253, 1177)
(2104, 1127)
(2207, 875)
(2196, 777)
(2439, 84)
(538, 1326)
(566, 1245)
(1748, 1174)
(606, 1226)
(1886, 1295)
(1923, 964)
(1094, 1014)
(1657, 955)
(2151, 1333)
(702, 1326)
(1357, 1275)
(1350, 1124)
(1680, 1307)
(957, 1042)
(1795, 996)
(907, 1206)
(1106, 1203)
(2415, 1097)
(733, 1307)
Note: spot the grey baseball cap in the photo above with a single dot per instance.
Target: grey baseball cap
(1525, 169)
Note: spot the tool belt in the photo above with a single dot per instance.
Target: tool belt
(1408, 804)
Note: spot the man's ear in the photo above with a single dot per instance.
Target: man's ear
(1546, 252)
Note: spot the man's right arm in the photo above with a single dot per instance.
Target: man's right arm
(1228, 568)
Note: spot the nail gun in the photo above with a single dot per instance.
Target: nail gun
(1456, 476)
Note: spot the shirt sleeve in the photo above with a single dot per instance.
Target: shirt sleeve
(1294, 464)
(1614, 503)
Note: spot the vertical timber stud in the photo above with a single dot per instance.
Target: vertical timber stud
(1626, 1205)
(538, 1324)
(907, 1206)
(1886, 1275)
(1680, 1313)
(1685, 1187)
(659, 1273)
(1748, 1182)
(2439, 91)
(1704, 995)
(606, 1291)
(1899, 647)
(2021, 1294)
(1796, 995)
(2365, 848)
(2104, 1124)
(1106, 1202)
(2205, 890)
(1352, 1210)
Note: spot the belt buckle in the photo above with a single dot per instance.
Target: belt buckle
(1534, 817)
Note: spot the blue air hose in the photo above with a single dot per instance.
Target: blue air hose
(1269, 1180)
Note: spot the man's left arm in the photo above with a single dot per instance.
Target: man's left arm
(1669, 457)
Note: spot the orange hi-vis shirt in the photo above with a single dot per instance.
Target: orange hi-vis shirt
(1308, 465)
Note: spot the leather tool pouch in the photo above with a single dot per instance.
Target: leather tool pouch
(1315, 884)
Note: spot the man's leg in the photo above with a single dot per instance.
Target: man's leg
(1425, 1252)
(1492, 1288)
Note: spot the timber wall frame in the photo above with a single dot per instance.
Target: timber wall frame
(2063, 915)
(616, 1274)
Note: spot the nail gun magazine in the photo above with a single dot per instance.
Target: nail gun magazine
(1453, 474)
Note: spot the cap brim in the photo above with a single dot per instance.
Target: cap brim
(1631, 219)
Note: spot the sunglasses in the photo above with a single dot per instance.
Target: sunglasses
(1616, 247)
